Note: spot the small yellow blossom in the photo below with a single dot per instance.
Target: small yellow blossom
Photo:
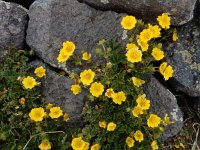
(166, 120)
(76, 89)
(137, 111)
(37, 114)
(77, 143)
(164, 21)
(144, 45)
(179, 146)
(166, 71)
(49, 106)
(134, 55)
(137, 82)
(22, 101)
(111, 126)
(128, 22)
(155, 31)
(102, 124)
(96, 89)
(109, 93)
(45, 145)
(143, 102)
(154, 145)
(119, 97)
(153, 121)
(40, 72)
(130, 142)
(68, 48)
(175, 36)
(87, 77)
(86, 56)
(162, 67)
(66, 117)
(55, 112)
(130, 46)
(157, 53)
(138, 136)
(62, 57)
(29, 82)
(95, 147)
(145, 35)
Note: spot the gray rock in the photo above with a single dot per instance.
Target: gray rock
(164, 102)
(184, 56)
(180, 11)
(13, 23)
(56, 89)
(53, 22)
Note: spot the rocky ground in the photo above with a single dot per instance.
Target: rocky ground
(44, 25)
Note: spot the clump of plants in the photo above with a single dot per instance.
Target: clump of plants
(116, 113)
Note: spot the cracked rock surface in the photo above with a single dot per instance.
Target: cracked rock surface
(164, 102)
(181, 11)
(13, 23)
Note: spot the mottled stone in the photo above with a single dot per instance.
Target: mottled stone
(13, 22)
(181, 11)
(184, 56)
(164, 102)
(56, 89)
(53, 22)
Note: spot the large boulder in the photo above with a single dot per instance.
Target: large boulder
(56, 90)
(53, 22)
(13, 23)
(184, 56)
(180, 11)
(164, 102)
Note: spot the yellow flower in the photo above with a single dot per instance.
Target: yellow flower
(55, 112)
(86, 146)
(68, 48)
(144, 45)
(45, 145)
(86, 56)
(153, 121)
(40, 72)
(128, 22)
(37, 114)
(62, 57)
(66, 117)
(130, 46)
(130, 142)
(145, 35)
(96, 89)
(137, 111)
(166, 120)
(164, 21)
(111, 126)
(22, 101)
(29, 82)
(154, 145)
(157, 53)
(137, 82)
(143, 102)
(76, 89)
(102, 124)
(87, 77)
(162, 67)
(109, 92)
(77, 143)
(155, 31)
(119, 97)
(168, 72)
(134, 55)
(174, 36)
(138, 136)
(95, 147)
(49, 106)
